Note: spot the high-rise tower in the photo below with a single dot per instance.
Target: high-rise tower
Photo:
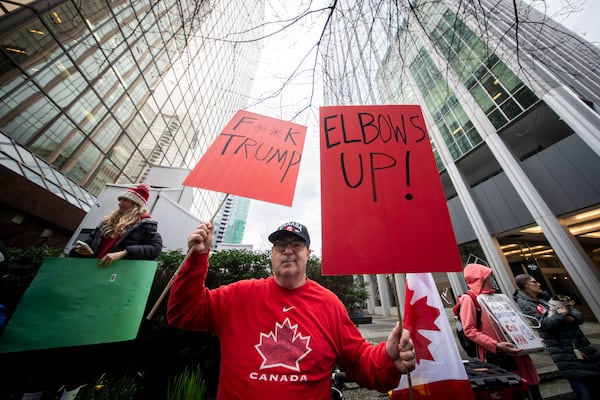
(96, 92)
(511, 101)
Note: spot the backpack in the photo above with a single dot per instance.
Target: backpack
(467, 344)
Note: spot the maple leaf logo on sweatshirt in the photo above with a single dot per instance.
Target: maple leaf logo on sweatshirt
(284, 347)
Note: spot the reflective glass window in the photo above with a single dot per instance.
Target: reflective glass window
(124, 111)
(127, 68)
(526, 97)
(138, 130)
(470, 58)
(62, 81)
(28, 159)
(54, 188)
(30, 46)
(493, 88)
(91, 59)
(509, 80)
(497, 118)
(147, 21)
(511, 109)
(106, 172)
(449, 116)
(138, 92)
(12, 165)
(10, 76)
(87, 111)
(7, 147)
(66, 23)
(135, 166)
(71, 187)
(472, 134)
(54, 137)
(109, 88)
(446, 132)
(84, 163)
(482, 98)
(146, 113)
(454, 151)
(48, 172)
(28, 111)
(34, 176)
(463, 144)
(142, 56)
(68, 149)
(122, 151)
(106, 133)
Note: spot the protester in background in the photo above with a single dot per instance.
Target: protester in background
(559, 326)
(490, 347)
(282, 336)
(126, 232)
(530, 297)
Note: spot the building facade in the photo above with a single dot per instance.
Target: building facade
(230, 222)
(512, 113)
(97, 92)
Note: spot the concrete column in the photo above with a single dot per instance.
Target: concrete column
(581, 118)
(371, 291)
(384, 294)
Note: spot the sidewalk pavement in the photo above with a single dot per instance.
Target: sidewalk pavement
(552, 387)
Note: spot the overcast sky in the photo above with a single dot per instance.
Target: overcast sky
(281, 58)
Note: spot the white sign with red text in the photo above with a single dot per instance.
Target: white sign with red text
(511, 324)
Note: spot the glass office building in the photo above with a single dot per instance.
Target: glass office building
(513, 117)
(96, 92)
(230, 222)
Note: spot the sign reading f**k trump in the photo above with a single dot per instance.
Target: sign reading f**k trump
(254, 156)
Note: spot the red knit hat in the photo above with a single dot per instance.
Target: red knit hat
(139, 194)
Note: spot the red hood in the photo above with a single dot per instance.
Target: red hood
(475, 276)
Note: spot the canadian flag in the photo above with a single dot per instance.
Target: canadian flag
(440, 373)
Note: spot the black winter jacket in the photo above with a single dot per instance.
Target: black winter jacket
(142, 241)
(562, 335)
(529, 306)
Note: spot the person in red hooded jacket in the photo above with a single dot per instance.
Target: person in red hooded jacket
(479, 280)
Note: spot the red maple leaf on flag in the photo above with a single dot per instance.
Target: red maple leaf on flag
(284, 347)
(420, 316)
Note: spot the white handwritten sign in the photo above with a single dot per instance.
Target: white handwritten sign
(511, 324)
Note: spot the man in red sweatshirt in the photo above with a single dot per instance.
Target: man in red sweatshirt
(282, 336)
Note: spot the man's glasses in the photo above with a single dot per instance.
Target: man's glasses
(297, 245)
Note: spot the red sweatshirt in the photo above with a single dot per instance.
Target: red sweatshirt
(277, 343)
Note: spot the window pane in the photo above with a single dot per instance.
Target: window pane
(497, 119)
(27, 111)
(54, 138)
(511, 109)
(482, 98)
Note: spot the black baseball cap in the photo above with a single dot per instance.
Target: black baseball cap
(291, 227)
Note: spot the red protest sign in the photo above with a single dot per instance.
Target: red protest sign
(382, 203)
(254, 156)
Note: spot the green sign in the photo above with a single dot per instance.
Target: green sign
(73, 302)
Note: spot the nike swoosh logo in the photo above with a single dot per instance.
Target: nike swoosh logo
(286, 309)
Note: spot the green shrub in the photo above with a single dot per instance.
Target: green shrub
(113, 388)
(188, 385)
